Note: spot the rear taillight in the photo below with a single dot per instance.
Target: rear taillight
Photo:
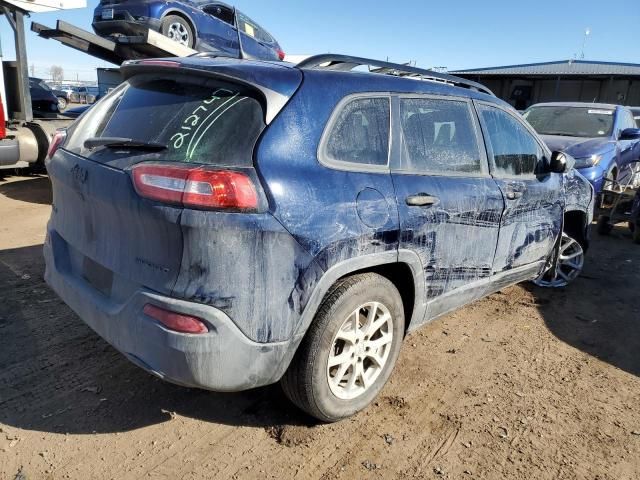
(281, 54)
(175, 321)
(3, 122)
(57, 140)
(197, 187)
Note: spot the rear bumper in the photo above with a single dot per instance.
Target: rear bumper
(223, 359)
(9, 152)
(130, 26)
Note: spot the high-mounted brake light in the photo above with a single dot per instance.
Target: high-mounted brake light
(195, 187)
(155, 63)
(57, 140)
(175, 321)
(3, 122)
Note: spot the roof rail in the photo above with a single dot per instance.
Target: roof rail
(346, 63)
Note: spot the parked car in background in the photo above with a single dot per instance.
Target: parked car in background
(603, 138)
(75, 112)
(199, 24)
(63, 98)
(636, 114)
(44, 102)
(225, 224)
(86, 95)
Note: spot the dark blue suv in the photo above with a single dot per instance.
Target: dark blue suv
(203, 25)
(227, 224)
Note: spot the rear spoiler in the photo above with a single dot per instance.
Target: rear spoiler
(276, 84)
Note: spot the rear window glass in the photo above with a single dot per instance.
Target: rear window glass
(360, 133)
(201, 122)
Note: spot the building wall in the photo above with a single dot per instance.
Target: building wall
(625, 91)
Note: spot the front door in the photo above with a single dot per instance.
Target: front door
(534, 201)
(218, 31)
(449, 206)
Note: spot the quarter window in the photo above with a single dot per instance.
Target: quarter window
(438, 136)
(514, 149)
(360, 134)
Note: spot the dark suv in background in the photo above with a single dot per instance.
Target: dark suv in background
(227, 224)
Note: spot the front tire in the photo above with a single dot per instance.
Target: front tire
(349, 350)
(179, 30)
(569, 266)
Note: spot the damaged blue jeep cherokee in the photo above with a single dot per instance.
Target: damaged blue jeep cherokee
(228, 224)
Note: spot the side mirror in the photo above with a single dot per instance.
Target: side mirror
(630, 134)
(561, 162)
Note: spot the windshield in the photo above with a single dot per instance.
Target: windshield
(197, 120)
(571, 121)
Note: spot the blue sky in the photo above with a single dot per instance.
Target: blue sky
(453, 34)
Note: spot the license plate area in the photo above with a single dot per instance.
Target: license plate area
(107, 14)
(99, 277)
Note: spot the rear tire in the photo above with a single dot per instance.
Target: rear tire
(179, 30)
(603, 226)
(62, 104)
(333, 374)
(636, 233)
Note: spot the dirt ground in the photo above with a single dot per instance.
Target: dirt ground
(526, 384)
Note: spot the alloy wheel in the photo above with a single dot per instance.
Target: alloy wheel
(570, 264)
(360, 350)
(178, 32)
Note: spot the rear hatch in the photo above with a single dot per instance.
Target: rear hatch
(164, 117)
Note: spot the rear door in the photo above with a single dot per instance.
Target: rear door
(534, 200)
(449, 205)
(113, 237)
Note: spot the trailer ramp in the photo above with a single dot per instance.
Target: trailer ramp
(143, 43)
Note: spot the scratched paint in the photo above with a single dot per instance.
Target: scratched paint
(261, 269)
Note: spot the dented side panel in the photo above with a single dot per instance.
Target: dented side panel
(333, 214)
(531, 223)
(249, 267)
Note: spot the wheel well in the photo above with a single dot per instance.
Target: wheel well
(178, 13)
(575, 224)
(401, 275)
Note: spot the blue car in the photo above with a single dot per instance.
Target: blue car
(199, 24)
(602, 138)
(229, 223)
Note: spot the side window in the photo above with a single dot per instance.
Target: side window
(438, 136)
(515, 151)
(220, 12)
(360, 134)
(627, 120)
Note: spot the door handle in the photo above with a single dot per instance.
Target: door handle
(422, 200)
(515, 190)
(514, 194)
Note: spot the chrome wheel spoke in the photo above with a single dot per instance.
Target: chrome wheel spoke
(383, 340)
(342, 358)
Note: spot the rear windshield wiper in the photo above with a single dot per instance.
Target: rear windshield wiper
(122, 142)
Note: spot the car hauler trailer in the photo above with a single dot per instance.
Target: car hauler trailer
(24, 141)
